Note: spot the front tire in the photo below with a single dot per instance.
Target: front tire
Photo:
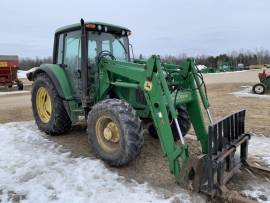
(19, 85)
(115, 132)
(259, 88)
(48, 108)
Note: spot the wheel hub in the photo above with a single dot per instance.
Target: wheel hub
(111, 132)
(108, 134)
(259, 89)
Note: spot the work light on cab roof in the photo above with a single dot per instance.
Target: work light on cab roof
(98, 26)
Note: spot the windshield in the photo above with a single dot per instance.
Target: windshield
(117, 45)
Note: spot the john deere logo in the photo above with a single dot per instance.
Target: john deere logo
(148, 86)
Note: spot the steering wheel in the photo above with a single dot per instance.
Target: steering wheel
(103, 54)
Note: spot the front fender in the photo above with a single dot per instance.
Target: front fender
(58, 77)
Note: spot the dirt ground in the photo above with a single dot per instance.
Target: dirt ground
(151, 166)
(17, 106)
(246, 76)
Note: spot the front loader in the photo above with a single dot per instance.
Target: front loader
(93, 77)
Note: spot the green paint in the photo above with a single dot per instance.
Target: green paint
(74, 110)
(62, 78)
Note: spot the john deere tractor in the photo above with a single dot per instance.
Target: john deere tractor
(94, 77)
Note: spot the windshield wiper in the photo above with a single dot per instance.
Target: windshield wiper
(122, 44)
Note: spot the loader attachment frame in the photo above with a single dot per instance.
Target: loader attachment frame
(225, 137)
(227, 152)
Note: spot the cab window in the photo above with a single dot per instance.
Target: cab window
(117, 45)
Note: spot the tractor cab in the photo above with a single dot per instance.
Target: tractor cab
(100, 37)
(79, 48)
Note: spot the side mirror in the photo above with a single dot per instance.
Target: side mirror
(132, 52)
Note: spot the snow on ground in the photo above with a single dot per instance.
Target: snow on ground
(246, 91)
(259, 148)
(13, 92)
(201, 67)
(228, 72)
(260, 191)
(22, 73)
(38, 170)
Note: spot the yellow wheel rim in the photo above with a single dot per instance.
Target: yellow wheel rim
(44, 104)
(108, 134)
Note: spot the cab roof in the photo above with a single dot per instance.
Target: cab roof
(77, 26)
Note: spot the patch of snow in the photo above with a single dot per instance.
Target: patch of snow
(22, 73)
(201, 67)
(40, 170)
(246, 91)
(13, 92)
(259, 148)
(229, 72)
(258, 191)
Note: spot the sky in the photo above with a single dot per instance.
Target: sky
(172, 27)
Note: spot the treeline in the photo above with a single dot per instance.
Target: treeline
(28, 63)
(232, 59)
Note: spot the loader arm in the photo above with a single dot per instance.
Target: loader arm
(150, 78)
(164, 87)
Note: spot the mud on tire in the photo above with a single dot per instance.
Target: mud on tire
(59, 120)
(130, 132)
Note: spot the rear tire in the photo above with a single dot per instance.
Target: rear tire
(57, 120)
(115, 132)
(259, 88)
(184, 123)
(19, 85)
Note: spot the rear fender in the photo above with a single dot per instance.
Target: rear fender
(63, 88)
(58, 77)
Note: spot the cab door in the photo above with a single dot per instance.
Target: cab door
(72, 61)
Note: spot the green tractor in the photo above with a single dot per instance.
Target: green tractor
(94, 77)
